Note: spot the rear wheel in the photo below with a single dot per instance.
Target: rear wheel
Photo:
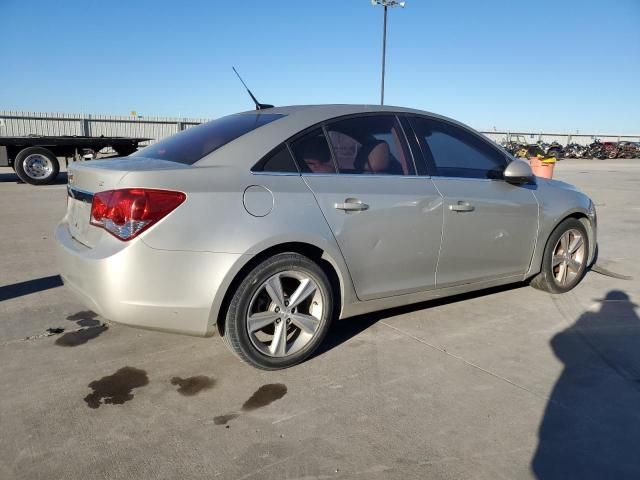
(36, 165)
(280, 313)
(565, 258)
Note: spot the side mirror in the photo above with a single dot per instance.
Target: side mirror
(519, 172)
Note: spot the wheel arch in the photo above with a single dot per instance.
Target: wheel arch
(335, 270)
(578, 214)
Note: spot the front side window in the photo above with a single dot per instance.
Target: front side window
(371, 145)
(312, 153)
(455, 152)
(193, 144)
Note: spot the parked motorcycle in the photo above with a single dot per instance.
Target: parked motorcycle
(553, 149)
(574, 150)
(512, 147)
(595, 150)
(628, 150)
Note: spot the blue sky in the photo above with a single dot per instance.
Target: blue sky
(540, 65)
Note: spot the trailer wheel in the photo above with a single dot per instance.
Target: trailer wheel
(36, 165)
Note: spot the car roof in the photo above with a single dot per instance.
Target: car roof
(336, 110)
(246, 150)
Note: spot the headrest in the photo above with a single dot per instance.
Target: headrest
(374, 157)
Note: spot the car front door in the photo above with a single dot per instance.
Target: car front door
(386, 220)
(490, 226)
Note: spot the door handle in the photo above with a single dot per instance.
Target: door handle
(461, 207)
(351, 205)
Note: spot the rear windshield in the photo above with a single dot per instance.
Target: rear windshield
(194, 143)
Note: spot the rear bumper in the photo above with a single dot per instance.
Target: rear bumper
(134, 284)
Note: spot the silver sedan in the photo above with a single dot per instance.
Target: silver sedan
(265, 226)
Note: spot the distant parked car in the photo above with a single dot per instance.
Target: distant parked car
(265, 226)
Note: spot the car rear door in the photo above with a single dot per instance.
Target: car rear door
(386, 220)
(490, 226)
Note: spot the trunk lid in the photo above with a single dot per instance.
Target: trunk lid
(87, 178)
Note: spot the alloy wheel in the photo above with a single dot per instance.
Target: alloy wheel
(569, 256)
(284, 313)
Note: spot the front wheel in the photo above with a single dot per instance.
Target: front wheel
(280, 313)
(36, 165)
(565, 258)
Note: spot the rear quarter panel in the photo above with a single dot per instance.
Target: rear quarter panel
(214, 218)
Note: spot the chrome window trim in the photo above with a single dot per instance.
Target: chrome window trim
(362, 175)
(278, 174)
(359, 175)
(468, 178)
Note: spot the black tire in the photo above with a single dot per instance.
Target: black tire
(25, 176)
(236, 335)
(545, 280)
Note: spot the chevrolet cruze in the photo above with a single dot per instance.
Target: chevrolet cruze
(265, 226)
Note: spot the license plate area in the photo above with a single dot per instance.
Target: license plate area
(79, 215)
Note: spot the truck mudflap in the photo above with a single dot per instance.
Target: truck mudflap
(4, 157)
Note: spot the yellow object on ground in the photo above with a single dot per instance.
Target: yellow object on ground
(544, 159)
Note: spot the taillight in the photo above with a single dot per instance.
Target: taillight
(128, 212)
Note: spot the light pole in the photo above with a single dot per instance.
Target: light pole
(386, 4)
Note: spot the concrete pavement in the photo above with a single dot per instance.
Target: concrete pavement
(511, 383)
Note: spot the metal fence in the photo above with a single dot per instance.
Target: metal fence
(562, 138)
(30, 123)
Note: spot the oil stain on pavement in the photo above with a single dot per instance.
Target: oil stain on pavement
(116, 389)
(85, 318)
(265, 395)
(193, 385)
(262, 397)
(224, 419)
(93, 328)
(79, 337)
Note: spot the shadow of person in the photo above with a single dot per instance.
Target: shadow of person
(61, 179)
(591, 425)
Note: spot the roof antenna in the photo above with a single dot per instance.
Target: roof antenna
(259, 106)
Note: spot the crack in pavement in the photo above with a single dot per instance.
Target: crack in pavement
(467, 362)
(46, 334)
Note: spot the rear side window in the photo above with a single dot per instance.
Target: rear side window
(457, 153)
(372, 144)
(278, 161)
(195, 143)
(313, 154)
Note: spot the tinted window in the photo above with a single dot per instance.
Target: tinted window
(313, 154)
(194, 143)
(370, 145)
(457, 153)
(278, 161)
